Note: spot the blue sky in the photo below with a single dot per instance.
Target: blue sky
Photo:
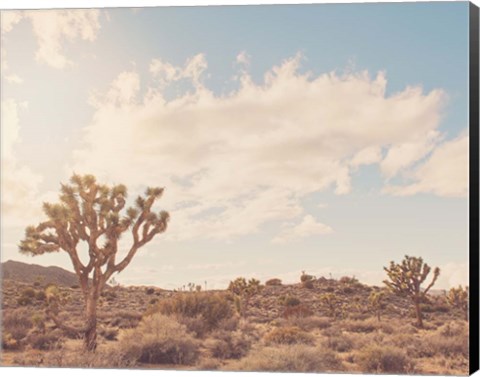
(326, 138)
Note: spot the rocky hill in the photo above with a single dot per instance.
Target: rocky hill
(30, 273)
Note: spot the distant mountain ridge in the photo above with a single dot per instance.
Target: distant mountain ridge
(30, 273)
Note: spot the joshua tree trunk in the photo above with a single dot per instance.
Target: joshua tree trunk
(91, 318)
(419, 313)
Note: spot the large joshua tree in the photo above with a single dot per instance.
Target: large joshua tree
(407, 277)
(95, 215)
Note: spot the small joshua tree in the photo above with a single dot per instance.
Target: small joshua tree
(458, 298)
(243, 292)
(406, 279)
(376, 303)
(94, 214)
(332, 303)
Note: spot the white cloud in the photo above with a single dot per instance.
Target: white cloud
(19, 183)
(233, 163)
(453, 275)
(307, 228)
(8, 20)
(166, 73)
(122, 91)
(14, 79)
(243, 59)
(53, 27)
(444, 173)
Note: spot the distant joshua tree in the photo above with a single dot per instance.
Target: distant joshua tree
(458, 298)
(93, 214)
(243, 291)
(376, 303)
(406, 279)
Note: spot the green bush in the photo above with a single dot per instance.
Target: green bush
(159, 339)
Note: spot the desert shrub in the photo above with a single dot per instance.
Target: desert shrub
(308, 284)
(273, 282)
(298, 311)
(339, 343)
(160, 339)
(228, 345)
(150, 291)
(209, 308)
(288, 300)
(348, 280)
(410, 344)
(288, 358)
(79, 358)
(228, 324)
(153, 301)
(28, 292)
(109, 333)
(305, 277)
(291, 301)
(75, 286)
(40, 296)
(384, 359)
(448, 340)
(109, 295)
(24, 301)
(38, 320)
(125, 319)
(365, 326)
(9, 342)
(289, 335)
(310, 322)
(208, 363)
(47, 341)
(17, 323)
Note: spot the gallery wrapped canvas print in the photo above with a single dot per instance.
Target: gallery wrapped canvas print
(270, 188)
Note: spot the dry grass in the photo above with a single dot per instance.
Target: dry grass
(288, 358)
(289, 335)
(381, 359)
(202, 332)
(159, 339)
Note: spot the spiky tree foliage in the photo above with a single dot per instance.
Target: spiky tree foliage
(407, 277)
(376, 301)
(458, 298)
(332, 303)
(243, 292)
(95, 215)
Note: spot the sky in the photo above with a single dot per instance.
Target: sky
(326, 138)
